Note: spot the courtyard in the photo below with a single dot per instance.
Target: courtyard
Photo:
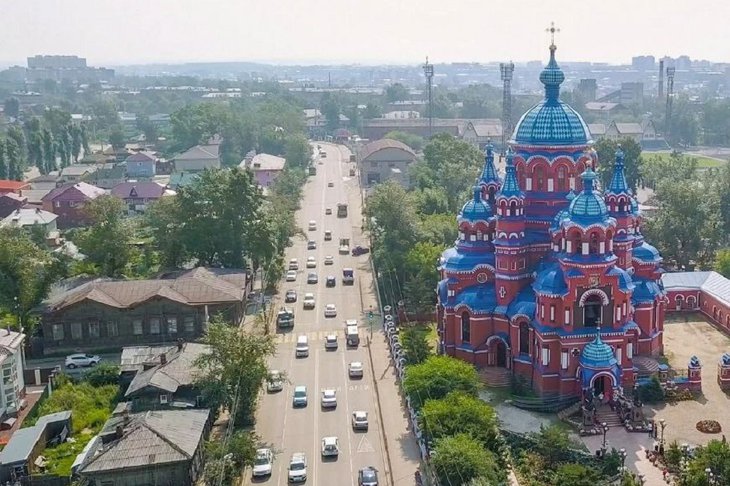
(687, 335)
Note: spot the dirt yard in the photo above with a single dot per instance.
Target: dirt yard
(686, 336)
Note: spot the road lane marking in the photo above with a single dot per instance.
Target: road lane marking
(365, 446)
(315, 408)
(349, 427)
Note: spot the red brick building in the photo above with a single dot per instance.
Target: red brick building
(706, 292)
(551, 279)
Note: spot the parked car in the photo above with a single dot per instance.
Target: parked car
(330, 342)
(81, 360)
(367, 476)
(291, 296)
(309, 301)
(274, 382)
(297, 472)
(312, 278)
(329, 260)
(360, 250)
(330, 447)
(291, 276)
(330, 310)
(300, 396)
(359, 420)
(311, 262)
(331, 281)
(263, 463)
(355, 370)
(329, 398)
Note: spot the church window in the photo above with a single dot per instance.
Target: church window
(618, 354)
(593, 247)
(539, 179)
(490, 195)
(524, 338)
(552, 312)
(512, 209)
(545, 356)
(564, 359)
(575, 242)
(465, 328)
(592, 311)
(567, 317)
(521, 176)
(562, 178)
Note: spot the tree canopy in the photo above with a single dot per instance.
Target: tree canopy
(106, 242)
(458, 459)
(437, 377)
(606, 149)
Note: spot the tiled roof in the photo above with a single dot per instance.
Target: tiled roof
(8, 185)
(264, 162)
(597, 129)
(151, 439)
(629, 128)
(142, 189)
(618, 184)
(141, 157)
(200, 152)
(488, 129)
(478, 298)
(711, 282)
(76, 170)
(87, 190)
(195, 287)
(588, 203)
(489, 172)
(28, 217)
(179, 370)
(598, 354)
(14, 196)
(476, 208)
(384, 143)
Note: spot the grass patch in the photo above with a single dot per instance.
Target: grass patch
(703, 162)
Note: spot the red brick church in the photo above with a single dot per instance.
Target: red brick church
(551, 278)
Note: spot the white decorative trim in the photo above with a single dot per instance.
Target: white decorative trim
(592, 292)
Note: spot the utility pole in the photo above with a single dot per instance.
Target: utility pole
(670, 97)
(506, 69)
(428, 71)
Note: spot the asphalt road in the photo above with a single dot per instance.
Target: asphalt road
(290, 430)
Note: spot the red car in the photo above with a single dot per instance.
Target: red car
(360, 250)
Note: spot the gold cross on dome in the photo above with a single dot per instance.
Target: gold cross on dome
(552, 30)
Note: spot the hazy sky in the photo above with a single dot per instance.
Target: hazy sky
(109, 32)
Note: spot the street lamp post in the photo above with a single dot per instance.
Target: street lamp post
(662, 424)
(622, 453)
(428, 71)
(605, 428)
(642, 479)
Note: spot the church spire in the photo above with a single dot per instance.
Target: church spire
(618, 184)
(489, 173)
(510, 187)
(552, 76)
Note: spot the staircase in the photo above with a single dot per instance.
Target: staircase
(611, 418)
(646, 365)
(496, 377)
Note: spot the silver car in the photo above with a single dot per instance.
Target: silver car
(297, 468)
(329, 398)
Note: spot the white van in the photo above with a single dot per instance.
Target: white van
(352, 336)
(302, 349)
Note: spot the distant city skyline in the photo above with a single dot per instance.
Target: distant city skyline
(109, 33)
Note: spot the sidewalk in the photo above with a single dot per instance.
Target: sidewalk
(403, 453)
(636, 445)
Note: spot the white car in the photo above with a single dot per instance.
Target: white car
(330, 310)
(355, 369)
(329, 398)
(293, 264)
(359, 420)
(298, 468)
(312, 225)
(330, 447)
(309, 301)
(263, 463)
(350, 322)
(330, 342)
(274, 382)
(311, 262)
(329, 260)
(79, 360)
(291, 276)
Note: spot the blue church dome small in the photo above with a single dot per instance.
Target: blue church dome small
(476, 209)
(598, 354)
(589, 203)
(552, 122)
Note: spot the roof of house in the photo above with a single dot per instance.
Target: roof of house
(178, 370)
(198, 286)
(28, 217)
(35, 196)
(11, 339)
(142, 156)
(205, 152)
(382, 144)
(14, 196)
(265, 162)
(135, 358)
(50, 177)
(487, 129)
(143, 190)
(151, 439)
(8, 185)
(711, 282)
(629, 128)
(87, 190)
(23, 441)
(76, 170)
(597, 129)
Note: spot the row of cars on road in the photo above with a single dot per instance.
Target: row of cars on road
(297, 470)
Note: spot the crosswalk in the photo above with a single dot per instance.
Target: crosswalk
(315, 336)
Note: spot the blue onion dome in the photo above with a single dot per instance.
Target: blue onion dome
(476, 209)
(588, 205)
(618, 184)
(559, 218)
(489, 173)
(510, 188)
(571, 195)
(598, 354)
(551, 122)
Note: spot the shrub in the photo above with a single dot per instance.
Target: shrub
(651, 392)
(104, 374)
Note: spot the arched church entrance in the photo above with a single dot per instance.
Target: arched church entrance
(592, 311)
(498, 352)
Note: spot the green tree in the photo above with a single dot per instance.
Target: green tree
(415, 344)
(331, 108)
(76, 142)
(35, 150)
(678, 167)
(573, 474)
(220, 379)
(226, 460)
(3, 161)
(106, 242)
(459, 459)
(372, 110)
(396, 92)
(413, 141)
(162, 218)
(117, 138)
(552, 443)
(715, 455)
(147, 128)
(459, 413)
(606, 149)
(49, 152)
(722, 262)
(298, 151)
(437, 377)
(104, 374)
(12, 107)
(421, 272)
(13, 160)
